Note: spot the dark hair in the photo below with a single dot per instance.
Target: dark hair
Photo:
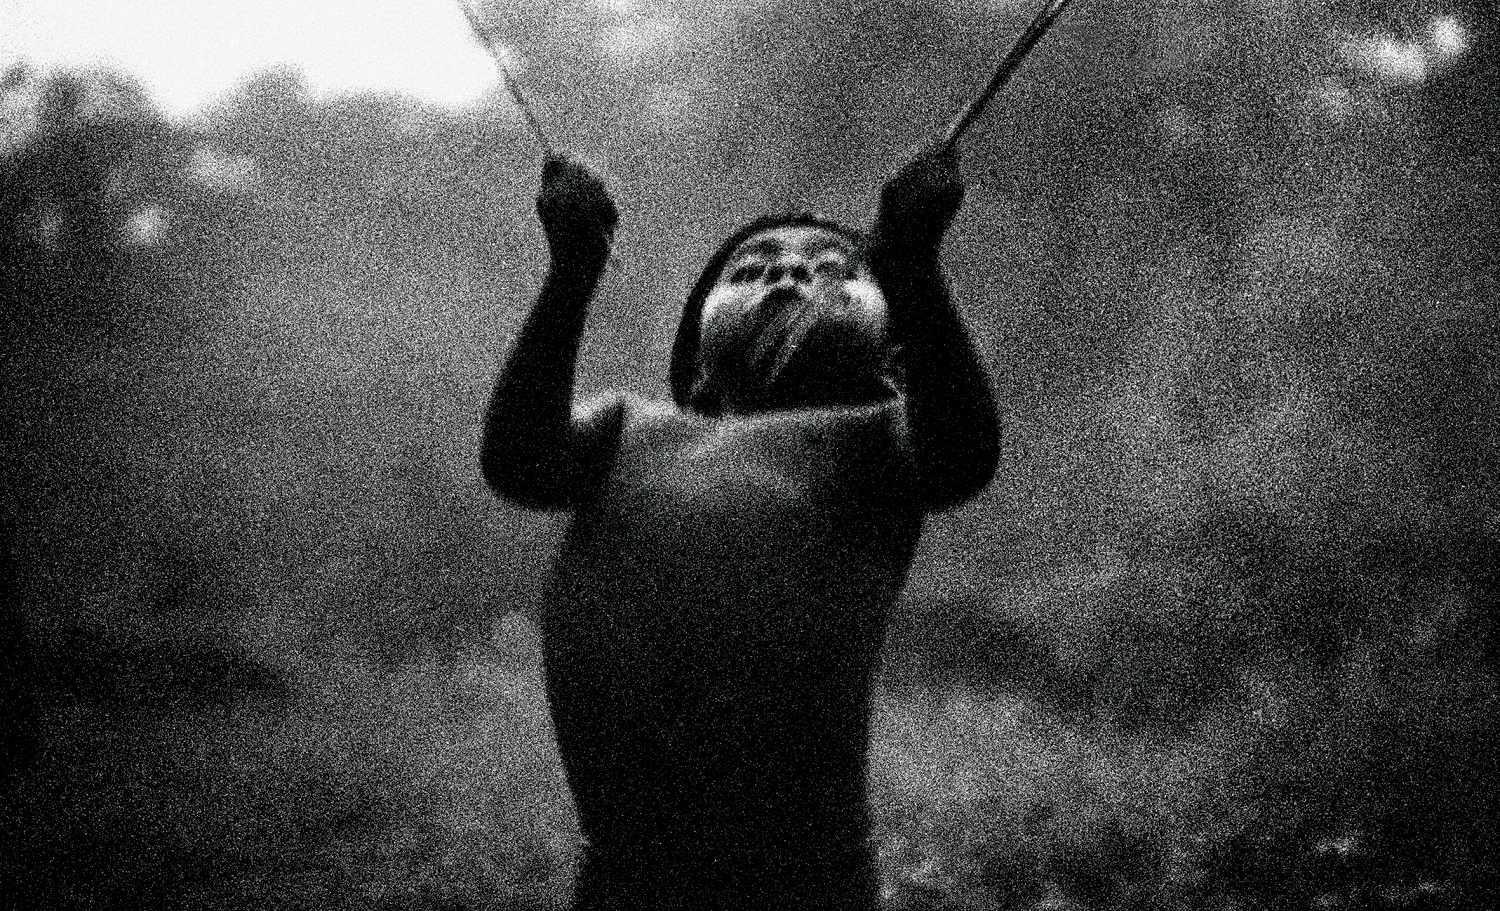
(685, 348)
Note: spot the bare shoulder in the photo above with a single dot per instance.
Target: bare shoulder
(826, 447)
(653, 422)
(656, 425)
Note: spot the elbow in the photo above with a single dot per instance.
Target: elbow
(499, 475)
(550, 467)
(525, 482)
(958, 488)
(496, 474)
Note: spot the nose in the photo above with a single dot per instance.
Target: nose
(794, 272)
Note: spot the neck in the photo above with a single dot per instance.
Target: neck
(798, 360)
(723, 395)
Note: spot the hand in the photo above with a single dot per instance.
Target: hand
(577, 213)
(919, 201)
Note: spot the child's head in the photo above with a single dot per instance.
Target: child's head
(786, 314)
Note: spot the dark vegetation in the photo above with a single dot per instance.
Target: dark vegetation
(1221, 636)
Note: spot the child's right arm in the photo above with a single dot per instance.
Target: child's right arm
(535, 451)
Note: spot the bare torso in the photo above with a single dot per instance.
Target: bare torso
(711, 635)
(714, 624)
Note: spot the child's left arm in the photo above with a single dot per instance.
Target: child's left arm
(953, 429)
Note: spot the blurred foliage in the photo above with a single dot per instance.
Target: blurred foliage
(1221, 636)
(87, 163)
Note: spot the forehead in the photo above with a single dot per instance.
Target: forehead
(805, 239)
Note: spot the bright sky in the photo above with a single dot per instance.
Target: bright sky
(189, 51)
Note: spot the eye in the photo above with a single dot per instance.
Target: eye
(748, 273)
(846, 271)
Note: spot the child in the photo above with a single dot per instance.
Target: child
(712, 631)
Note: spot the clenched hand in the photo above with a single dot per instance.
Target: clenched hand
(919, 201)
(577, 213)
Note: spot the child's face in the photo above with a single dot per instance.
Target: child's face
(795, 319)
(793, 265)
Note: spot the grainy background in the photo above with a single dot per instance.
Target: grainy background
(1220, 635)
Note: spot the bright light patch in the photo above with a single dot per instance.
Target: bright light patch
(17, 118)
(215, 170)
(1449, 37)
(50, 226)
(147, 226)
(1332, 98)
(1397, 61)
(188, 52)
(1409, 61)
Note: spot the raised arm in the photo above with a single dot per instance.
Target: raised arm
(953, 430)
(535, 451)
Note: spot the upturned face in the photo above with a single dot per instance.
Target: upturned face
(788, 264)
(794, 319)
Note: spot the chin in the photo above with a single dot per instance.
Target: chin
(826, 364)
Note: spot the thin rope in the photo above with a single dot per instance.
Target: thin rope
(513, 86)
(509, 78)
(1007, 68)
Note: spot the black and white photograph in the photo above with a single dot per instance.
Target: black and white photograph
(750, 455)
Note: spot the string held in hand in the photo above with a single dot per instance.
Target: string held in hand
(1007, 68)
